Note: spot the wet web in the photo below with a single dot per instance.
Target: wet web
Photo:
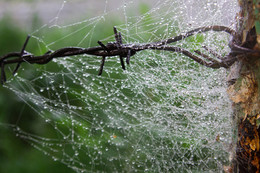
(164, 113)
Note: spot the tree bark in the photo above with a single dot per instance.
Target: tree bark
(244, 92)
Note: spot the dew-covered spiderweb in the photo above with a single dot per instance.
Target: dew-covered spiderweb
(164, 113)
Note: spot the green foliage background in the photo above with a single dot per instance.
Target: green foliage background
(15, 154)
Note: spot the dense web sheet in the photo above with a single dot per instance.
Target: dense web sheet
(164, 113)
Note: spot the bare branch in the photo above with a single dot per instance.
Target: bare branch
(213, 52)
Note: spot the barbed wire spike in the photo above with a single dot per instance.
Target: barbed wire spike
(25, 44)
(128, 57)
(102, 66)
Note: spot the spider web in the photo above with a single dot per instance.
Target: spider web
(164, 113)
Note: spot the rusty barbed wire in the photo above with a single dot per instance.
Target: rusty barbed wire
(118, 48)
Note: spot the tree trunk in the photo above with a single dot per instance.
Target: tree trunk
(244, 92)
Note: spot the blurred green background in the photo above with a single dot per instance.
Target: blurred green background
(16, 155)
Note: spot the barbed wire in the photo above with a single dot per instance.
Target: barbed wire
(118, 48)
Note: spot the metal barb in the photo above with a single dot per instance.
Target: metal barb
(128, 57)
(25, 44)
(118, 38)
(122, 62)
(103, 46)
(16, 68)
(102, 65)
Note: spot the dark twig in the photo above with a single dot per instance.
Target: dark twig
(212, 62)
(216, 28)
(117, 48)
(213, 52)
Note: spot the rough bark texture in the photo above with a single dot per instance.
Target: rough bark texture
(244, 92)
